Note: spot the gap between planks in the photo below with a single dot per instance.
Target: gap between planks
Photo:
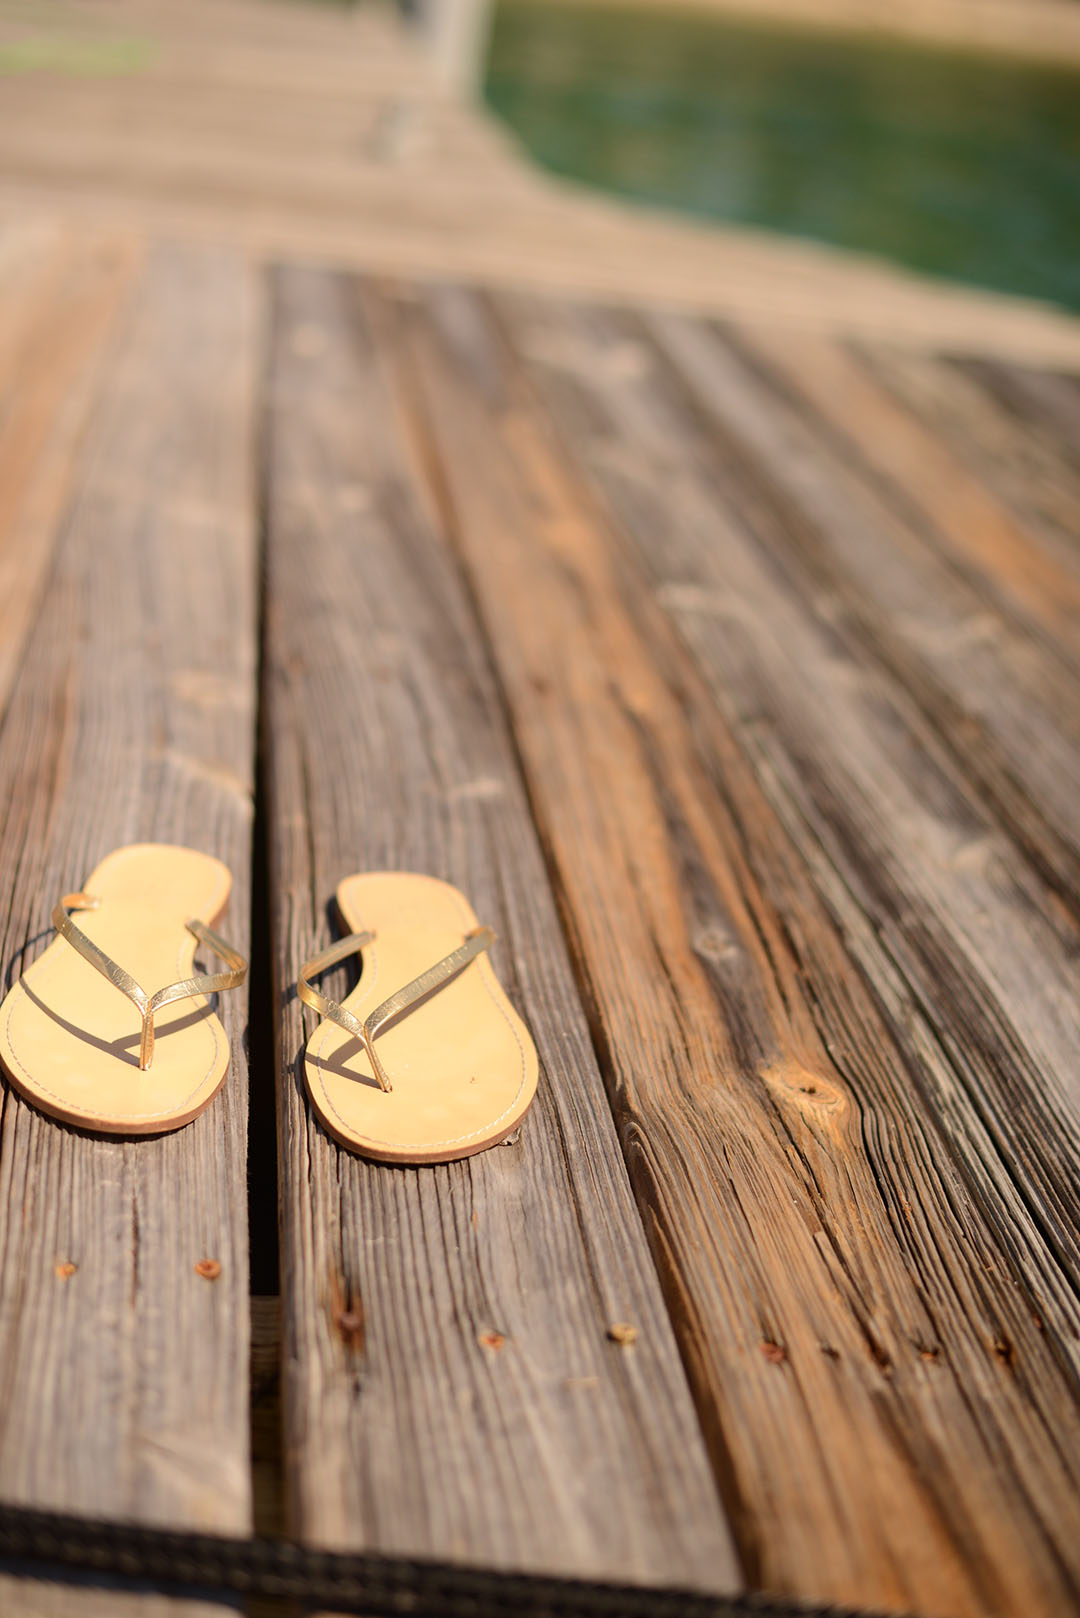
(450, 1387)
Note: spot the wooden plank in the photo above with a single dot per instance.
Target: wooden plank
(450, 1387)
(895, 830)
(983, 906)
(125, 1369)
(924, 476)
(59, 302)
(858, 1280)
(1001, 689)
(1046, 402)
(1028, 469)
(934, 819)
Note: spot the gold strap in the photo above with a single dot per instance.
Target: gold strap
(148, 1004)
(436, 977)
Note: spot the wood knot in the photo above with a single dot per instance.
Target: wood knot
(208, 1268)
(813, 1092)
(714, 943)
(347, 1315)
(622, 1333)
(775, 1353)
(879, 1355)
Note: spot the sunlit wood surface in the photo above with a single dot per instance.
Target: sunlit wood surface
(708, 610)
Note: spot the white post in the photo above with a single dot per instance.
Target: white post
(457, 34)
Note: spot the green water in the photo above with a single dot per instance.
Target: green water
(964, 166)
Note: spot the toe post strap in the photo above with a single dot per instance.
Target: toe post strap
(396, 1005)
(148, 1004)
(322, 1003)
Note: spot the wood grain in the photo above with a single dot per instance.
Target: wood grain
(979, 932)
(125, 1370)
(917, 843)
(876, 1312)
(1000, 689)
(450, 1386)
(1023, 460)
(1040, 400)
(724, 556)
(925, 478)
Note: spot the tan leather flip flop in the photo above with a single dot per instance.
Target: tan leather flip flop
(69, 1038)
(426, 1060)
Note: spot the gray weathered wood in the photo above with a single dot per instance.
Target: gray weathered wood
(1034, 472)
(858, 761)
(125, 1371)
(450, 1387)
(1045, 402)
(876, 1304)
(952, 524)
(973, 926)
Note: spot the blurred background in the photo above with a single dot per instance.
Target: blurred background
(963, 163)
(591, 144)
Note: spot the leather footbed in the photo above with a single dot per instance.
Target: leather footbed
(462, 1064)
(69, 1039)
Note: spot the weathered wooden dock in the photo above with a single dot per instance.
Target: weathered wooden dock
(707, 610)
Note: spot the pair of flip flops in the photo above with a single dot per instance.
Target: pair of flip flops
(425, 1061)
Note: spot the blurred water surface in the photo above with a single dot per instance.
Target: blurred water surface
(965, 166)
